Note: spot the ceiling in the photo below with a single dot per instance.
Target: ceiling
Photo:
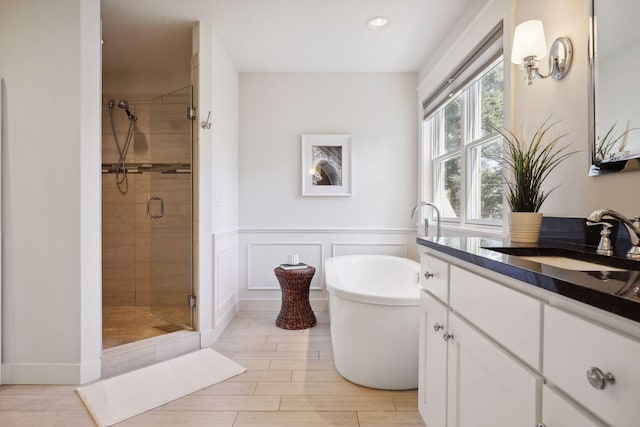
(279, 35)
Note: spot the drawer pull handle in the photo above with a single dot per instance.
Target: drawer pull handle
(599, 379)
(447, 336)
(437, 327)
(428, 275)
(541, 425)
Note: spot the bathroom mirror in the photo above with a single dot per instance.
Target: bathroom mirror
(614, 101)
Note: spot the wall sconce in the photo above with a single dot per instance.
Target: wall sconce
(529, 47)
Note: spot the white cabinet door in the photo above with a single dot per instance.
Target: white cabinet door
(487, 387)
(560, 411)
(432, 385)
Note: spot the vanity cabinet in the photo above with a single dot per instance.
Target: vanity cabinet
(466, 379)
(494, 354)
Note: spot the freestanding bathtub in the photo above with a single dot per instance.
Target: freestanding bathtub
(373, 306)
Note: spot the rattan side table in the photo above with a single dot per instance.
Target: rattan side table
(295, 312)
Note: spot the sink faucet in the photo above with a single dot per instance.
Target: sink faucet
(426, 221)
(632, 226)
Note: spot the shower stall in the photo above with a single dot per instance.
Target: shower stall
(147, 216)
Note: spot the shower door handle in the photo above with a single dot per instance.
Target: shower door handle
(158, 215)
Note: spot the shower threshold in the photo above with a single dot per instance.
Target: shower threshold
(138, 354)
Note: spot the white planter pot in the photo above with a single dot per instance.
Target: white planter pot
(524, 227)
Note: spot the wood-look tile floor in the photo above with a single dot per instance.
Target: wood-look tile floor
(290, 381)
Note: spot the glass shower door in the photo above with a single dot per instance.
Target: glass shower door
(169, 207)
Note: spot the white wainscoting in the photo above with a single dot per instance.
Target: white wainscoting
(391, 249)
(261, 250)
(225, 279)
(263, 257)
(227, 262)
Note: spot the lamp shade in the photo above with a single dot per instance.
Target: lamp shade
(528, 40)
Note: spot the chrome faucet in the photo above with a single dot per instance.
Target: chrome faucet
(632, 226)
(426, 221)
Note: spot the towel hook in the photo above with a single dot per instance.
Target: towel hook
(206, 124)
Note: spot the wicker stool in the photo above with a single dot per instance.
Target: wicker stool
(295, 312)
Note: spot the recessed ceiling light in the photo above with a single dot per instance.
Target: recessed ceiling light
(378, 23)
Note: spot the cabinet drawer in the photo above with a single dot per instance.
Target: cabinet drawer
(558, 411)
(572, 346)
(435, 276)
(508, 316)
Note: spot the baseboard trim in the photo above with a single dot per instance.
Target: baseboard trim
(210, 336)
(50, 373)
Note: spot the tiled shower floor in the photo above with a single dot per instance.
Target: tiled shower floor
(122, 325)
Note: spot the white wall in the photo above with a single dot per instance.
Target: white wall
(90, 298)
(222, 198)
(378, 111)
(50, 62)
(225, 93)
(578, 194)
(565, 100)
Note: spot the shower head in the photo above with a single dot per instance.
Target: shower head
(125, 106)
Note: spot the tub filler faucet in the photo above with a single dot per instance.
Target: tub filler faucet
(426, 221)
(632, 226)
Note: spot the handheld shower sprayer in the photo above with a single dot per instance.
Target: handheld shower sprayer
(125, 106)
(121, 170)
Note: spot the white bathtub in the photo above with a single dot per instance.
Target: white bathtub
(373, 305)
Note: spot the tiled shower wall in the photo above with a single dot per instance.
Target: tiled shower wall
(126, 230)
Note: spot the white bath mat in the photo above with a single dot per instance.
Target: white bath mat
(115, 399)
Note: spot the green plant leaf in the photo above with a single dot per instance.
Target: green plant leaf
(529, 164)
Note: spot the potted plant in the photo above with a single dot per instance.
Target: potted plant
(529, 163)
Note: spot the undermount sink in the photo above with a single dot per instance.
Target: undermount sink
(569, 263)
(568, 259)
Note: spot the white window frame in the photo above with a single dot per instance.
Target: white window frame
(470, 115)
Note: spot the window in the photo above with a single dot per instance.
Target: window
(462, 143)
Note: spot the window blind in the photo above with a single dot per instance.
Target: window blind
(487, 51)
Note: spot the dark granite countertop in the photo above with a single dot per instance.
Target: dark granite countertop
(613, 291)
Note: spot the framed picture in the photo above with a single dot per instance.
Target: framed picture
(326, 165)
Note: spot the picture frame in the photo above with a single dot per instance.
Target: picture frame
(326, 165)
